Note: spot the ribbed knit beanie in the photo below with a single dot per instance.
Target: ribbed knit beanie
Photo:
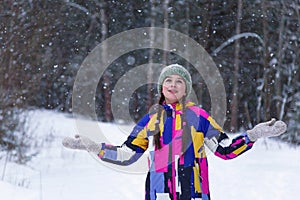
(175, 69)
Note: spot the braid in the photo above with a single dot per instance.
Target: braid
(156, 140)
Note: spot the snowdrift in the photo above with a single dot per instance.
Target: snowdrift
(270, 171)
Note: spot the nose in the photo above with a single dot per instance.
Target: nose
(172, 84)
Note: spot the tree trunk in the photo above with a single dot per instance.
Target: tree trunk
(166, 35)
(235, 100)
(150, 95)
(106, 77)
(267, 69)
(280, 52)
(207, 19)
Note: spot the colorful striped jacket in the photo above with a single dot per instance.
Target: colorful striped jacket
(171, 173)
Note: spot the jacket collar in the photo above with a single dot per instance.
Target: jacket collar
(177, 106)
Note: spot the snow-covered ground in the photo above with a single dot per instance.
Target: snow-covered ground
(271, 170)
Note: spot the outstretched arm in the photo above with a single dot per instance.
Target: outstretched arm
(126, 154)
(226, 149)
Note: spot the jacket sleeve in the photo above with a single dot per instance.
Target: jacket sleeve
(131, 150)
(219, 142)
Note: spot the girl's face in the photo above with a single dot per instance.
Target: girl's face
(173, 88)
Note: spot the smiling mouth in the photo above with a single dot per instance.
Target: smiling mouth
(172, 91)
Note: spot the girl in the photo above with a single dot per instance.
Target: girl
(175, 133)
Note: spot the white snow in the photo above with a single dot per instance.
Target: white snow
(270, 171)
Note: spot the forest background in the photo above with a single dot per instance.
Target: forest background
(254, 44)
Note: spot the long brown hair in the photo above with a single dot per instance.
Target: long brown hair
(156, 140)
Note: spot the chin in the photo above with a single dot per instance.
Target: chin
(170, 101)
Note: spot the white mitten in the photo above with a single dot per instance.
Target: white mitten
(267, 129)
(82, 143)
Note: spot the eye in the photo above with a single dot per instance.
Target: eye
(168, 80)
(179, 81)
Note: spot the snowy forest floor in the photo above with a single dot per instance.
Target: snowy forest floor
(270, 171)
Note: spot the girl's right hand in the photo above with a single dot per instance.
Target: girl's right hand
(82, 143)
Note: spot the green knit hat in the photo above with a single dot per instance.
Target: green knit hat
(175, 69)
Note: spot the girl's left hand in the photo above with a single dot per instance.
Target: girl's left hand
(267, 129)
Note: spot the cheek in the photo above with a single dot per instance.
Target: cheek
(183, 88)
(164, 88)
